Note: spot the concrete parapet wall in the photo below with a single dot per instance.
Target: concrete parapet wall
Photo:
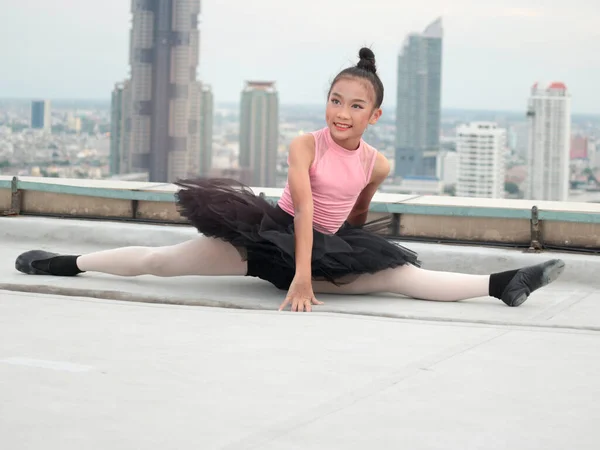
(5, 197)
(479, 229)
(523, 223)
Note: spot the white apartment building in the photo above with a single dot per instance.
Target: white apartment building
(481, 148)
(447, 167)
(549, 115)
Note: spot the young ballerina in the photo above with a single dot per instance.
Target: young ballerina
(315, 239)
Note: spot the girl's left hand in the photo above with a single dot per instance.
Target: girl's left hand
(300, 295)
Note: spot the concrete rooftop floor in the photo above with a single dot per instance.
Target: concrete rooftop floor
(100, 362)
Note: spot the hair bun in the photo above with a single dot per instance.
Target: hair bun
(367, 60)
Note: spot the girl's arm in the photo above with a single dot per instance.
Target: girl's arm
(360, 211)
(301, 155)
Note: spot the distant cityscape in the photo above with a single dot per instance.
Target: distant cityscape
(162, 124)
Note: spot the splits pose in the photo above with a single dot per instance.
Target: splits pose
(316, 239)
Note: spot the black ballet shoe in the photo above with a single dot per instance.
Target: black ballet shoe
(40, 262)
(529, 279)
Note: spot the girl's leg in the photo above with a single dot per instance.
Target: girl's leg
(512, 287)
(199, 256)
(414, 282)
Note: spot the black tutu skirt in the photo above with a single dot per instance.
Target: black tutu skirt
(263, 233)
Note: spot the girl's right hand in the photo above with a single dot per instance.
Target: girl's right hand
(300, 295)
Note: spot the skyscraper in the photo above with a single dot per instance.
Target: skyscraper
(117, 129)
(163, 124)
(481, 160)
(259, 131)
(418, 102)
(206, 130)
(549, 113)
(447, 167)
(40, 115)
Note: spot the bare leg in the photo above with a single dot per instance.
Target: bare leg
(199, 256)
(413, 282)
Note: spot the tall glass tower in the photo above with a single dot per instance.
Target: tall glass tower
(418, 102)
(259, 131)
(164, 124)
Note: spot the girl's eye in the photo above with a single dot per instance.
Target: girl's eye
(357, 106)
(335, 101)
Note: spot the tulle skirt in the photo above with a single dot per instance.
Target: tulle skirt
(263, 233)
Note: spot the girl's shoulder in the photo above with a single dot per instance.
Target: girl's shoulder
(380, 165)
(306, 141)
(302, 148)
(369, 149)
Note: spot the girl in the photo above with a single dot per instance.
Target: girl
(315, 239)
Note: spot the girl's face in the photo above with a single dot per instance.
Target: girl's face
(350, 109)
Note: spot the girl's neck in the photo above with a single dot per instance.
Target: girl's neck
(350, 144)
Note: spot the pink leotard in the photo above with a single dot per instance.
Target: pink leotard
(337, 177)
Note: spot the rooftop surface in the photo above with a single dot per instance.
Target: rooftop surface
(98, 361)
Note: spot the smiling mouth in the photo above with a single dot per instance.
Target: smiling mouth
(342, 126)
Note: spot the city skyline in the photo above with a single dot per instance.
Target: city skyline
(480, 69)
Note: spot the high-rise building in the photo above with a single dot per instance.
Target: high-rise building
(73, 122)
(520, 134)
(549, 113)
(418, 102)
(481, 148)
(163, 123)
(259, 131)
(193, 138)
(579, 147)
(206, 130)
(40, 115)
(594, 153)
(119, 135)
(447, 167)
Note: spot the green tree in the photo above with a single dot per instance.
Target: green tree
(58, 128)
(16, 127)
(511, 187)
(450, 190)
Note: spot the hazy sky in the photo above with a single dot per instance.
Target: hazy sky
(493, 51)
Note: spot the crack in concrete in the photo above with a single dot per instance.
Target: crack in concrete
(205, 302)
(351, 398)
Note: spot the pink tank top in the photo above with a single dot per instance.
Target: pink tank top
(337, 177)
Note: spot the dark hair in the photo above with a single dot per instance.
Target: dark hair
(365, 69)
